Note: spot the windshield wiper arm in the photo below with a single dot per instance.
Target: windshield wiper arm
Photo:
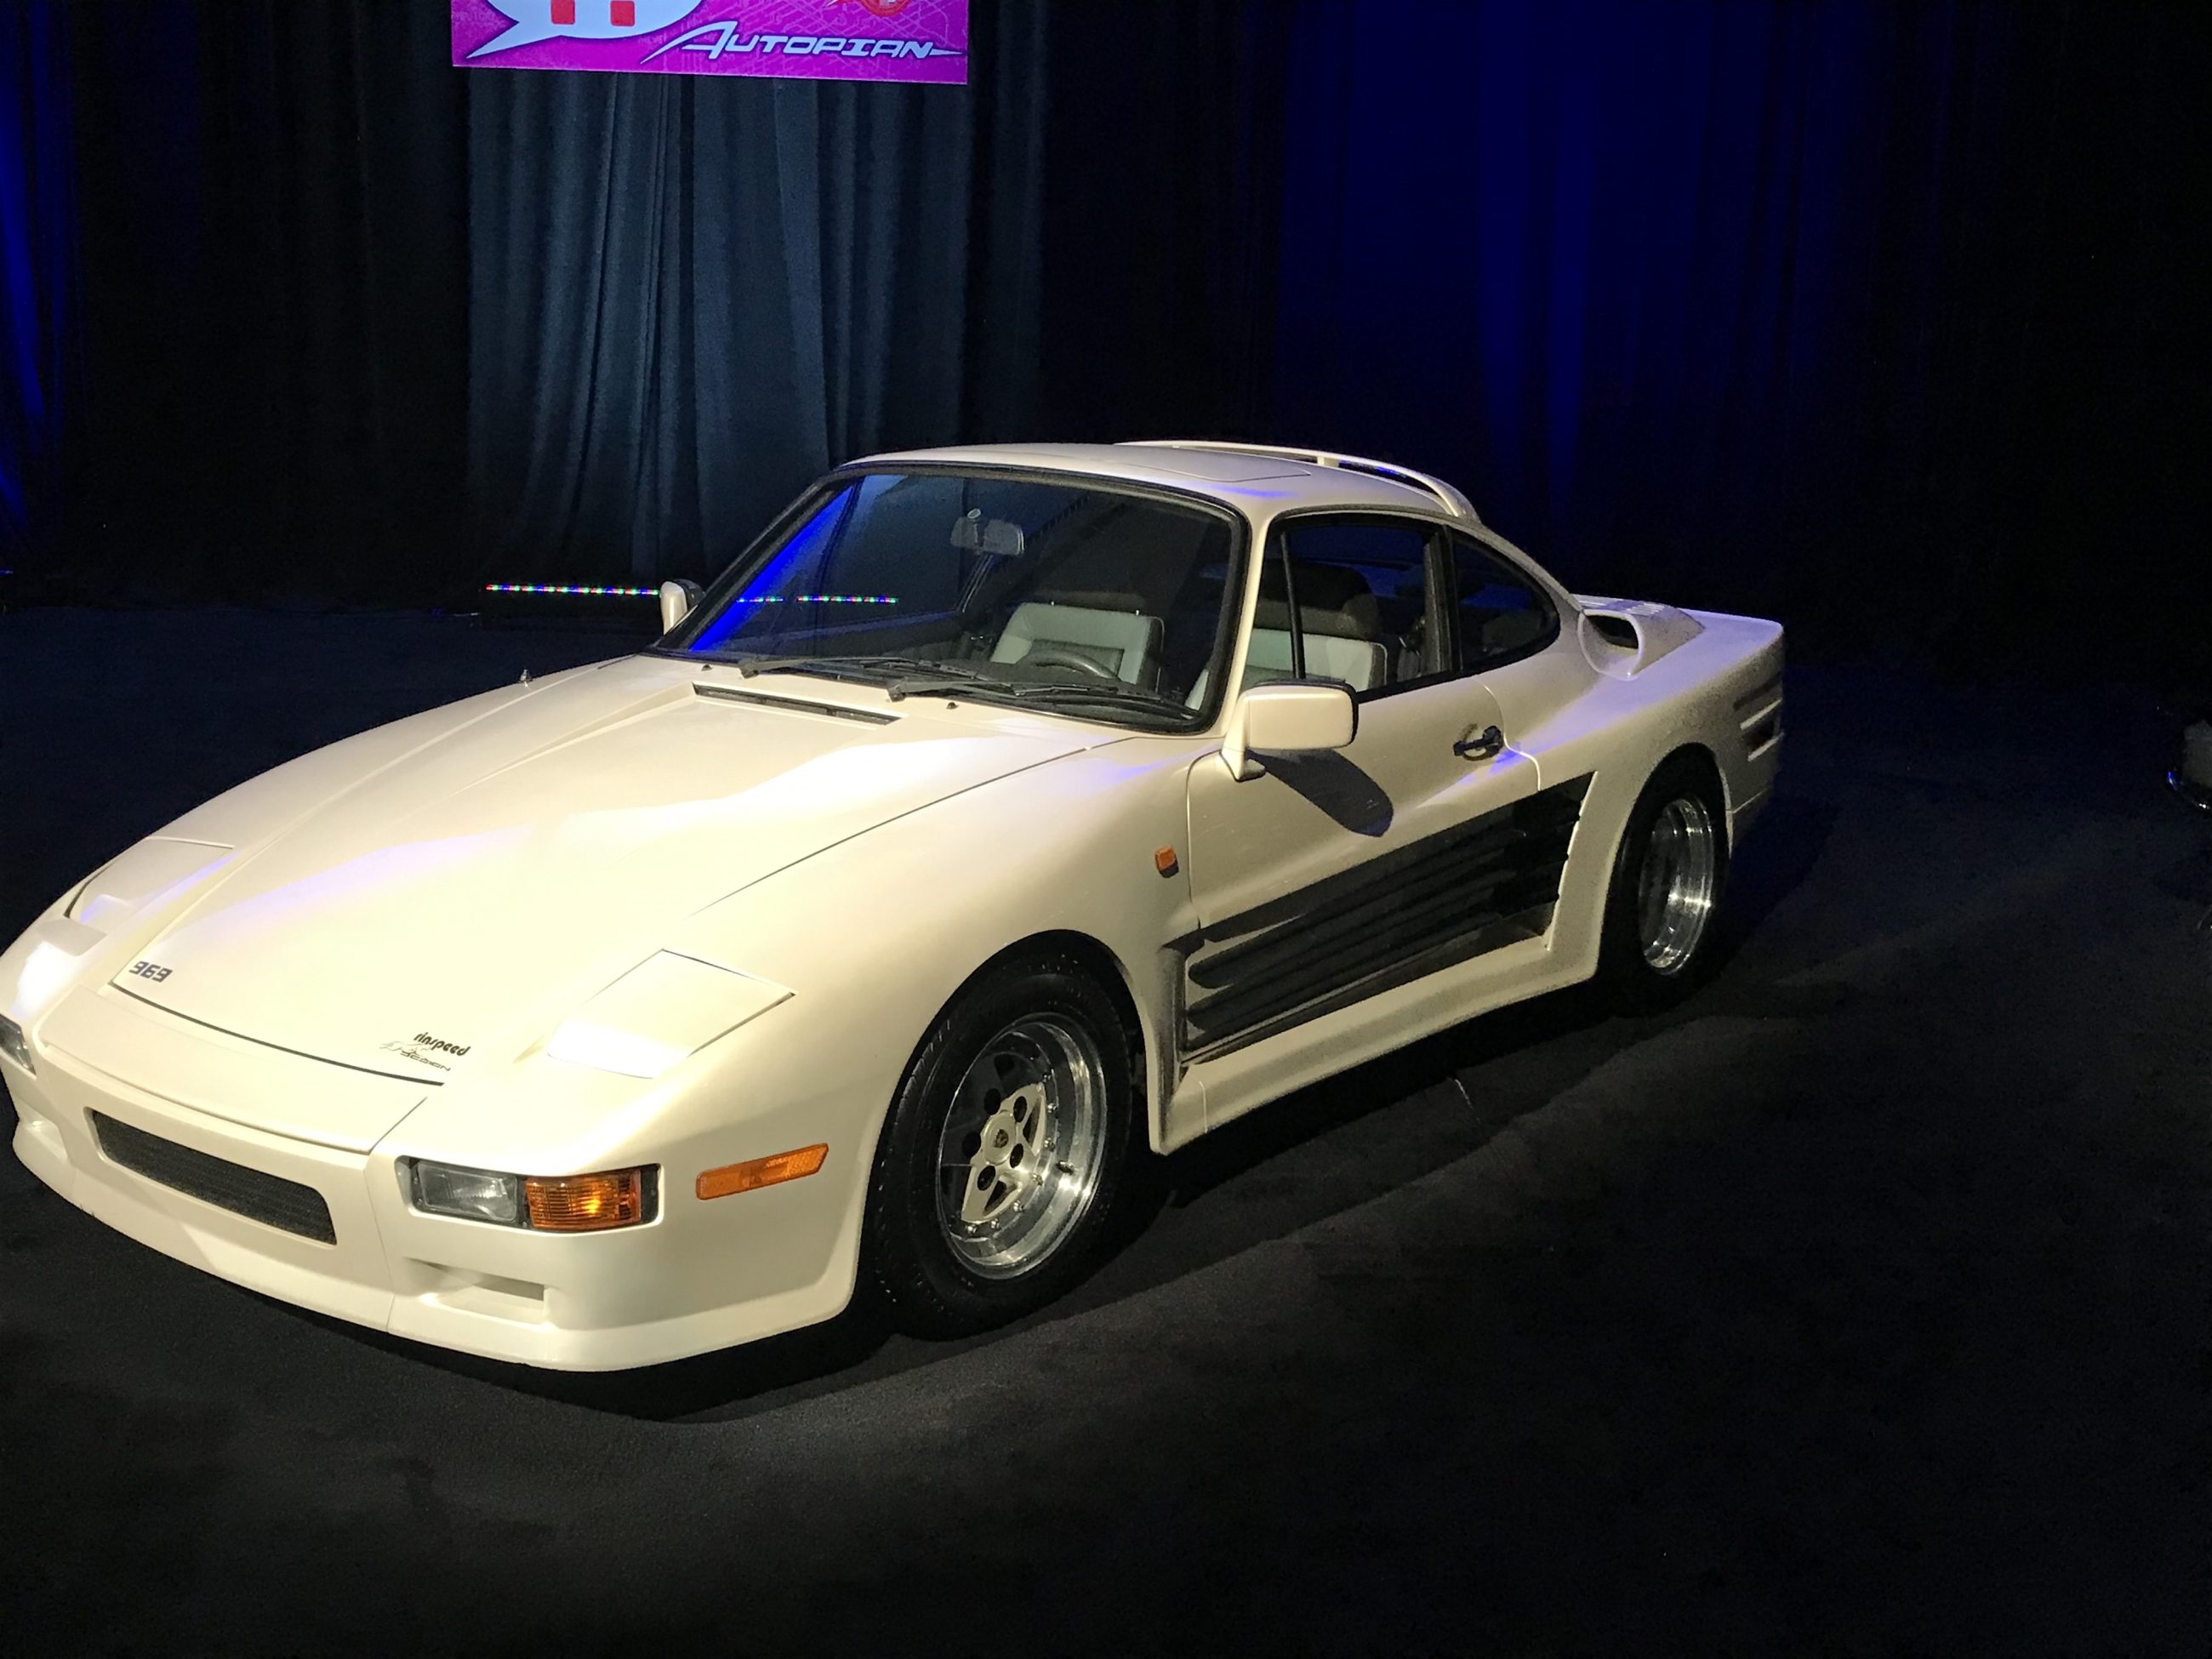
(846, 668)
(1072, 691)
(835, 668)
(1100, 691)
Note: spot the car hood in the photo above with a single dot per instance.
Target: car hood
(458, 893)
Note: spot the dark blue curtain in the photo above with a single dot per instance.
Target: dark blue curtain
(274, 237)
(690, 296)
(1887, 318)
(1875, 316)
(37, 271)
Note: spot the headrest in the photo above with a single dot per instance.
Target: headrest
(1331, 600)
(1093, 598)
(1320, 586)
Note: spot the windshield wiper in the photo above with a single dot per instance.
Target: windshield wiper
(835, 668)
(1100, 691)
(923, 676)
(1064, 691)
(847, 668)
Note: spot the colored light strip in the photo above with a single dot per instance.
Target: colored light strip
(650, 592)
(559, 588)
(814, 598)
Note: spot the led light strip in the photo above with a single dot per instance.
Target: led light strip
(815, 598)
(558, 588)
(651, 592)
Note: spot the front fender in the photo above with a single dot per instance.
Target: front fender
(874, 935)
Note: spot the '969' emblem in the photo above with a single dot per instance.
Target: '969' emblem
(152, 970)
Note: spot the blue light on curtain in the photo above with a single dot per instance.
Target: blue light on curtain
(38, 245)
(1657, 283)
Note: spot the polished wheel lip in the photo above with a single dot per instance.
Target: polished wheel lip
(1023, 1144)
(1676, 888)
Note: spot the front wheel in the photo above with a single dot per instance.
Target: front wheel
(1667, 883)
(1006, 1149)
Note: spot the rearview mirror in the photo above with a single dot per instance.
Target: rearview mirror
(973, 534)
(1287, 717)
(677, 600)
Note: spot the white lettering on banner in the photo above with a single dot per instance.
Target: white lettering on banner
(716, 38)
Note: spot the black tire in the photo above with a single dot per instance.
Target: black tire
(1629, 977)
(927, 1287)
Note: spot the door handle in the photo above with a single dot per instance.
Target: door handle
(1485, 744)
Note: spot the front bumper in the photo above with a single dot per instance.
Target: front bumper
(700, 1276)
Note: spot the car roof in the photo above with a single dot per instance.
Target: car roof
(1259, 482)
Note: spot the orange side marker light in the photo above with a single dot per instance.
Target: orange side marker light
(1165, 860)
(759, 1172)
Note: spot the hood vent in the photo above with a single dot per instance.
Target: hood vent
(793, 705)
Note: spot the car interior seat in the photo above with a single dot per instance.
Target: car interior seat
(1341, 622)
(1125, 643)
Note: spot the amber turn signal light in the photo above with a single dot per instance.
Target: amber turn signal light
(761, 1172)
(585, 1203)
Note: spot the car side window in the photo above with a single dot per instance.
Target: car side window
(1503, 614)
(1349, 600)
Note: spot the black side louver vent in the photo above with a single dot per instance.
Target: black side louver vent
(1424, 907)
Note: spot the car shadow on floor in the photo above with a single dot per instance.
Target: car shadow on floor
(1339, 1143)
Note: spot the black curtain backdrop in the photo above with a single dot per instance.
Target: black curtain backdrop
(690, 296)
(38, 263)
(686, 303)
(1890, 320)
(274, 256)
(1885, 318)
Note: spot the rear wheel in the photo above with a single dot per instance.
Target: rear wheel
(1006, 1149)
(1667, 878)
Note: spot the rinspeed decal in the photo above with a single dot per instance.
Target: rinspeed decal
(424, 1050)
(1420, 908)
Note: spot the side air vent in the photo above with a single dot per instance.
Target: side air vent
(1613, 630)
(1428, 905)
(270, 1199)
(1624, 637)
(1758, 712)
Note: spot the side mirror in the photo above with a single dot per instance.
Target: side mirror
(677, 600)
(1286, 717)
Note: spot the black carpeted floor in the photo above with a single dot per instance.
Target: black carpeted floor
(1860, 1304)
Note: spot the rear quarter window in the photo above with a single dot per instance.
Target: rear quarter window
(1503, 614)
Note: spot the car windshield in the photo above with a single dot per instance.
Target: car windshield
(1065, 594)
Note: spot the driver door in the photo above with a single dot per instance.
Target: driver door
(1336, 876)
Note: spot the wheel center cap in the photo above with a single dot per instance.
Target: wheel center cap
(1006, 1136)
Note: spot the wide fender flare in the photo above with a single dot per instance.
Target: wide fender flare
(875, 935)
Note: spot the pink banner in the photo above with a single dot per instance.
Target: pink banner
(818, 40)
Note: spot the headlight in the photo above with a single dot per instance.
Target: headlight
(552, 1204)
(14, 1044)
(479, 1195)
(665, 1008)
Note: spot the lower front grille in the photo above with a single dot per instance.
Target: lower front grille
(268, 1198)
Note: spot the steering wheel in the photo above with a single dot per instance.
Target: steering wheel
(1053, 656)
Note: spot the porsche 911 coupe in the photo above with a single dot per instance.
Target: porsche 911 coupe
(1005, 816)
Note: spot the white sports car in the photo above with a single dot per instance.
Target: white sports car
(1003, 815)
